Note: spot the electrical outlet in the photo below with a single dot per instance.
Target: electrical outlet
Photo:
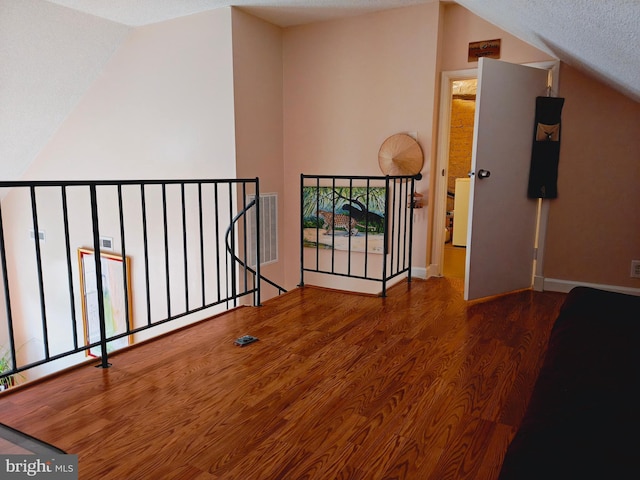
(635, 268)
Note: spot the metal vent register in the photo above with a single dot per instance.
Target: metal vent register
(269, 227)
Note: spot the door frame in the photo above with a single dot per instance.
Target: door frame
(438, 235)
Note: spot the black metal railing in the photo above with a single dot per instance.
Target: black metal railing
(249, 273)
(357, 226)
(148, 252)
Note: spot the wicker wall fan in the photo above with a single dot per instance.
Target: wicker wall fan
(400, 154)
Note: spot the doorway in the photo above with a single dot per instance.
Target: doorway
(441, 197)
(460, 151)
(448, 259)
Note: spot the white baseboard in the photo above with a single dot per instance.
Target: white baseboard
(538, 283)
(432, 270)
(541, 284)
(564, 286)
(419, 272)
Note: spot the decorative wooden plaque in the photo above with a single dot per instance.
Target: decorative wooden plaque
(485, 48)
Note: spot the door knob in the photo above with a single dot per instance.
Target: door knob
(484, 173)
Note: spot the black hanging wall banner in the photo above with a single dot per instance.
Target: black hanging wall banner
(545, 154)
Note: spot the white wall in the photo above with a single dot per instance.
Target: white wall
(162, 108)
(257, 64)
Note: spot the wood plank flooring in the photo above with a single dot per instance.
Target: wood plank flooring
(419, 385)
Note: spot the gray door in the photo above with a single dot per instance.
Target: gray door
(502, 220)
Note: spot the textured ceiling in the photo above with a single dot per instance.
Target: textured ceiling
(600, 37)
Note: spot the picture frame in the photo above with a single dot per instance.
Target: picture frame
(344, 218)
(116, 296)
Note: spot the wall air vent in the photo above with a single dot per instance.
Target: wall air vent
(106, 243)
(268, 227)
(41, 235)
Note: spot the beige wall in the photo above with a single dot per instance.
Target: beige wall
(461, 27)
(594, 224)
(348, 85)
(162, 108)
(257, 84)
(344, 93)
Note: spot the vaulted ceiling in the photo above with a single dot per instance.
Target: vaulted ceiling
(599, 37)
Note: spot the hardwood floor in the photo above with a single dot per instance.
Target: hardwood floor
(419, 385)
(453, 264)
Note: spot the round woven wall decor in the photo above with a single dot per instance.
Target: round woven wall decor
(400, 154)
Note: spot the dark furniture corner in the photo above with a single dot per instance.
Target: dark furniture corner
(582, 420)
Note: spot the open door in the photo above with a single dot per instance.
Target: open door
(502, 220)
